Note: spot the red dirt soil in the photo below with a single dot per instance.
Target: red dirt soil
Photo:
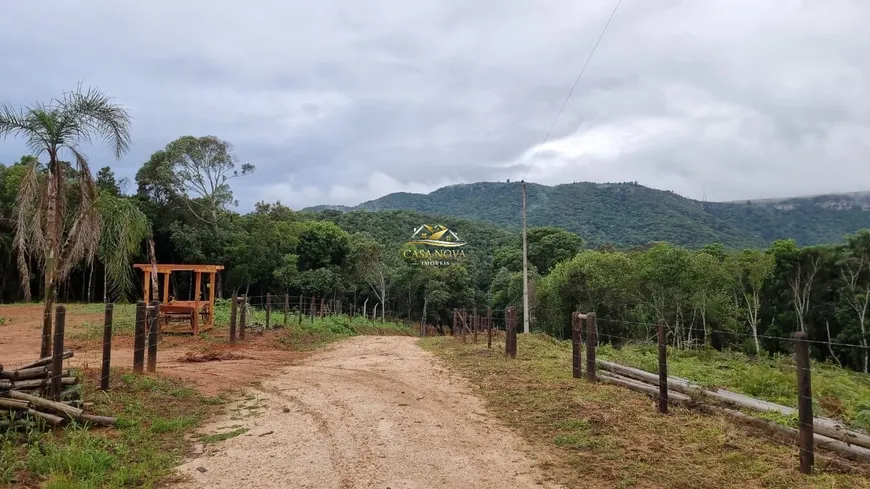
(239, 365)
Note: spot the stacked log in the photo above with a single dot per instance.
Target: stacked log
(830, 434)
(24, 402)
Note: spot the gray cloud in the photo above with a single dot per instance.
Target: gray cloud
(340, 102)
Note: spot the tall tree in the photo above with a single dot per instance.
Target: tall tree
(549, 245)
(43, 210)
(709, 280)
(801, 282)
(664, 285)
(855, 273)
(106, 181)
(202, 168)
(755, 267)
(370, 263)
(194, 172)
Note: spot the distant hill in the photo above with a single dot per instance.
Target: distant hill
(631, 214)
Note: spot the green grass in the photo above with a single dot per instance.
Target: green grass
(310, 335)
(123, 320)
(597, 435)
(837, 393)
(148, 442)
(302, 336)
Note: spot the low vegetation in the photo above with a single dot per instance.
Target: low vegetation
(837, 393)
(309, 334)
(606, 436)
(153, 415)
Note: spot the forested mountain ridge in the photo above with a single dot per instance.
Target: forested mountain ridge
(632, 214)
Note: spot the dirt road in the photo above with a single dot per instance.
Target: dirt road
(371, 411)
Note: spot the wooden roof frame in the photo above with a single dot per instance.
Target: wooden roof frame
(199, 306)
(168, 267)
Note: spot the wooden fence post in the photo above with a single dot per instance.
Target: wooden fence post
(313, 308)
(286, 308)
(474, 323)
(301, 308)
(268, 310)
(243, 312)
(139, 339)
(463, 318)
(576, 345)
(455, 324)
(511, 332)
(805, 402)
(57, 357)
(591, 345)
(107, 347)
(663, 368)
(321, 307)
(45, 348)
(153, 331)
(234, 308)
(489, 327)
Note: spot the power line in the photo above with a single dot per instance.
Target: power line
(571, 92)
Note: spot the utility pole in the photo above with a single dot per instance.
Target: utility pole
(526, 328)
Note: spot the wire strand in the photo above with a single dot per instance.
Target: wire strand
(573, 87)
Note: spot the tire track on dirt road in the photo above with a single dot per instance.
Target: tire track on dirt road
(369, 412)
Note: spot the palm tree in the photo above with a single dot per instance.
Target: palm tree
(50, 228)
(124, 227)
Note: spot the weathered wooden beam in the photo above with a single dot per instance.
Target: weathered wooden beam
(13, 404)
(843, 448)
(170, 267)
(98, 420)
(824, 426)
(48, 418)
(38, 383)
(636, 385)
(45, 361)
(39, 402)
(25, 373)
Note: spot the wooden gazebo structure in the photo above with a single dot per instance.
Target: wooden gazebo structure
(177, 316)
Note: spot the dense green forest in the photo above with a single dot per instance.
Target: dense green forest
(72, 236)
(631, 214)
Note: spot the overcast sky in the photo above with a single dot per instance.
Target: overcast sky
(342, 101)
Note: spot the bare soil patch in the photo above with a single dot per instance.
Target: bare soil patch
(241, 364)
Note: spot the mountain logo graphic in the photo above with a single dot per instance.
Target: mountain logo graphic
(437, 235)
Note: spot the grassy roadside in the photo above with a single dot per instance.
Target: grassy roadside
(607, 433)
(153, 415)
(837, 393)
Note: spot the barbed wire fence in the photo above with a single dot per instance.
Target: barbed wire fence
(816, 438)
(126, 341)
(101, 343)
